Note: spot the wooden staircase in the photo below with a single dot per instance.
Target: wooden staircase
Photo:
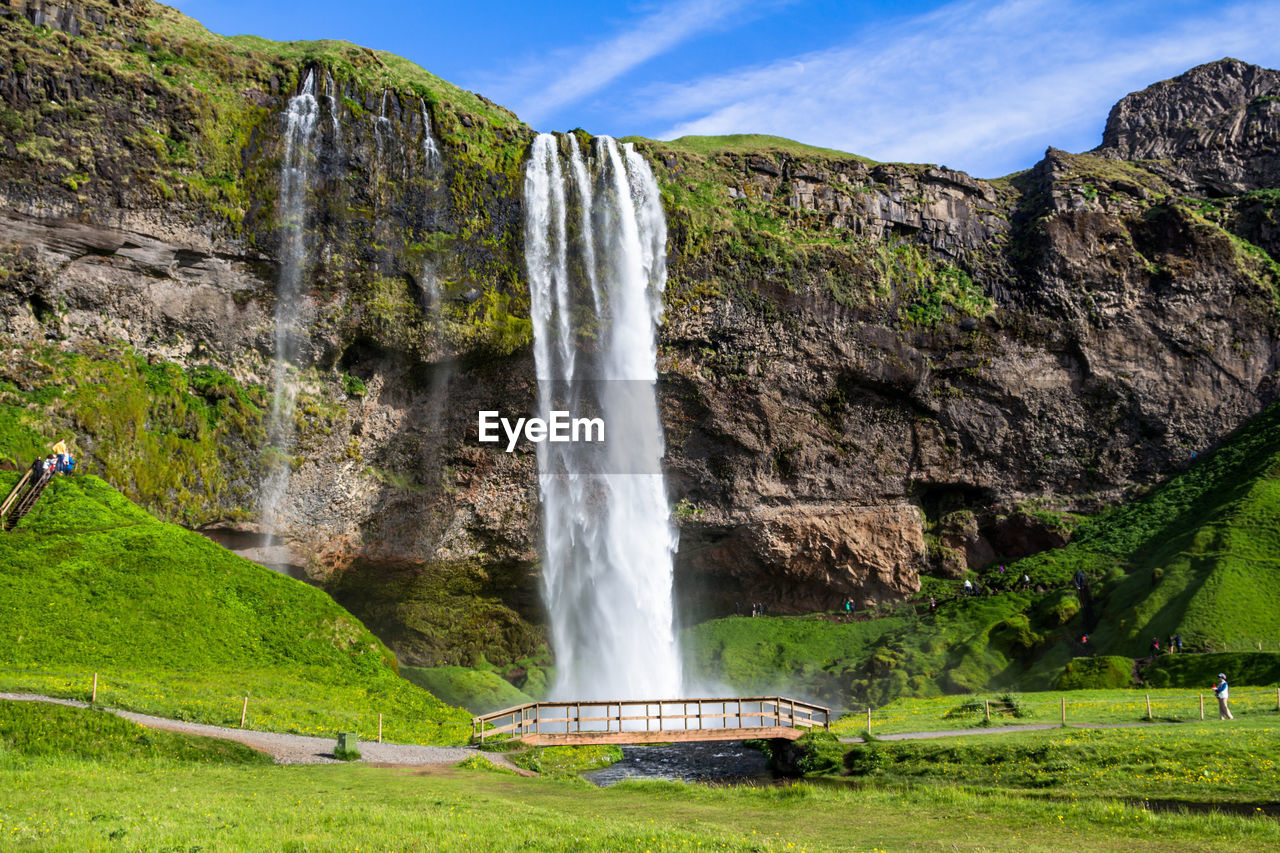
(23, 498)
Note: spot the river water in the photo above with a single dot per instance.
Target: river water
(726, 762)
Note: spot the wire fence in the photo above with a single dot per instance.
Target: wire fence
(1163, 705)
(189, 701)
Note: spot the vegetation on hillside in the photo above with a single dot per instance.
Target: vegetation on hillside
(176, 625)
(180, 442)
(32, 732)
(480, 691)
(1196, 555)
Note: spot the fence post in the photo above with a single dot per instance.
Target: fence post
(1148, 706)
(868, 718)
(1202, 706)
(986, 703)
(93, 698)
(379, 728)
(244, 710)
(1064, 711)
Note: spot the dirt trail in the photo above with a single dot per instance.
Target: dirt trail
(1000, 730)
(296, 749)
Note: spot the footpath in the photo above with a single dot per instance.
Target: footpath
(296, 749)
(1000, 730)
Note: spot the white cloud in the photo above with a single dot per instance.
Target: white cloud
(972, 85)
(574, 75)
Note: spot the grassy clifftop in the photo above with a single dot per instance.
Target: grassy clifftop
(176, 625)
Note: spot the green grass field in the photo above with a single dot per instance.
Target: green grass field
(177, 626)
(1197, 763)
(92, 806)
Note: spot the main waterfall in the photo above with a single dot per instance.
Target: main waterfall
(595, 244)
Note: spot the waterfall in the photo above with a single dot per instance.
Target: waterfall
(430, 149)
(295, 178)
(596, 301)
(331, 95)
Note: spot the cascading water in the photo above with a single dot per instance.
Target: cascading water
(430, 148)
(596, 300)
(295, 178)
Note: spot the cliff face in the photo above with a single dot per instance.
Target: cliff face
(868, 370)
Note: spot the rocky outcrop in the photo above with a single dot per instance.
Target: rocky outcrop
(1218, 125)
(805, 558)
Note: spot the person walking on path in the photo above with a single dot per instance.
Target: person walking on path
(1223, 693)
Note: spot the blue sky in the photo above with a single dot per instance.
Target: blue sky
(979, 86)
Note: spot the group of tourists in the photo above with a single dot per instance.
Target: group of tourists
(1174, 644)
(59, 461)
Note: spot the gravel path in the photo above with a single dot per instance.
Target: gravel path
(1026, 727)
(296, 749)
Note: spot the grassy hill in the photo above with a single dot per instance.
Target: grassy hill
(1198, 554)
(178, 626)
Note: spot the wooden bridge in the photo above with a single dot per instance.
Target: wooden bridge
(652, 721)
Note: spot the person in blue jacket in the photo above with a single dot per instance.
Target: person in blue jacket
(1223, 693)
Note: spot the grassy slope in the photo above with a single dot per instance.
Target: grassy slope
(479, 691)
(803, 657)
(37, 731)
(1197, 554)
(175, 624)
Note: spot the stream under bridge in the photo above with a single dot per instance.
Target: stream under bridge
(628, 721)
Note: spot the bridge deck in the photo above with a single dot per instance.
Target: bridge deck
(668, 736)
(653, 721)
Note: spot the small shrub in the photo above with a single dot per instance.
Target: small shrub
(1100, 673)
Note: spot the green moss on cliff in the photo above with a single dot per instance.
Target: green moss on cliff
(443, 613)
(181, 443)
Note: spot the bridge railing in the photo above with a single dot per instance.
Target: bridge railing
(655, 715)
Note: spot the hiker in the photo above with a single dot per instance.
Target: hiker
(1155, 647)
(1026, 581)
(1080, 579)
(967, 589)
(1177, 639)
(848, 606)
(1170, 644)
(933, 604)
(1223, 693)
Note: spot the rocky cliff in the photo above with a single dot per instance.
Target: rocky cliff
(868, 370)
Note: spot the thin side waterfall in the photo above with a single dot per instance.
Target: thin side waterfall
(295, 178)
(430, 148)
(331, 95)
(596, 300)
